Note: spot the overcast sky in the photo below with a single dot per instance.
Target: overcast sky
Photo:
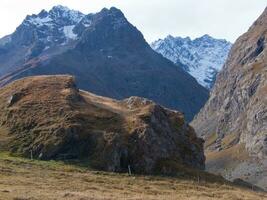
(154, 18)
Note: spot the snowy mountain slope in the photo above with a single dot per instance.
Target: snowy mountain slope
(202, 57)
(52, 27)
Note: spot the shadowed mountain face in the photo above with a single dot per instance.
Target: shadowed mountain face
(105, 53)
(48, 117)
(234, 120)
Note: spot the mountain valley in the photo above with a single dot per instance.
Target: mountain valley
(89, 110)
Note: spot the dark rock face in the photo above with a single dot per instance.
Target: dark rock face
(235, 114)
(105, 53)
(51, 118)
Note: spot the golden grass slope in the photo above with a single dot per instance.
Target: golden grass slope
(24, 179)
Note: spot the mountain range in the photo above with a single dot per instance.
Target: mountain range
(202, 57)
(106, 53)
(88, 91)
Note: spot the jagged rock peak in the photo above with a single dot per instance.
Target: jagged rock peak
(56, 13)
(202, 57)
(114, 14)
(113, 10)
(106, 44)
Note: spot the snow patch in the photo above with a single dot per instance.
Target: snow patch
(68, 31)
(87, 24)
(40, 21)
(47, 47)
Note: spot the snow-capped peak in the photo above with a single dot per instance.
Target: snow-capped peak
(59, 15)
(60, 7)
(58, 26)
(202, 57)
(53, 27)
(66, 13)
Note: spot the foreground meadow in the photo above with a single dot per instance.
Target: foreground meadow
(25, 179)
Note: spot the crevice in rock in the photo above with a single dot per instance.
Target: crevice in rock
(253, 88)
(260, 47)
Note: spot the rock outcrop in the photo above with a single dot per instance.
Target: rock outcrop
(234, 120)
(48, 117)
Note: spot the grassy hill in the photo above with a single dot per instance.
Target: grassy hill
(50, 118)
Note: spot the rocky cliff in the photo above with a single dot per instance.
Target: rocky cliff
(48, 117)
(234, 120)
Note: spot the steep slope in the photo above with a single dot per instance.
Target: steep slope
(50, 118)
(234, 120)
(107, 54)
(202, 57)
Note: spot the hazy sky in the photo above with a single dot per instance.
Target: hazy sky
(155, 18)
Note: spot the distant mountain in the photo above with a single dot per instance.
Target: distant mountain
(234, 120)
(107, 55)
(202, 57)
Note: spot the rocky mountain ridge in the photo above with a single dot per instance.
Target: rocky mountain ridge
(107, 55)
(202, 57)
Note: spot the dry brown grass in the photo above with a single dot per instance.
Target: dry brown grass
(257, 67)
(229, 140)
(237, 152)
(4, 138)
(210, 140)
(25, 179)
